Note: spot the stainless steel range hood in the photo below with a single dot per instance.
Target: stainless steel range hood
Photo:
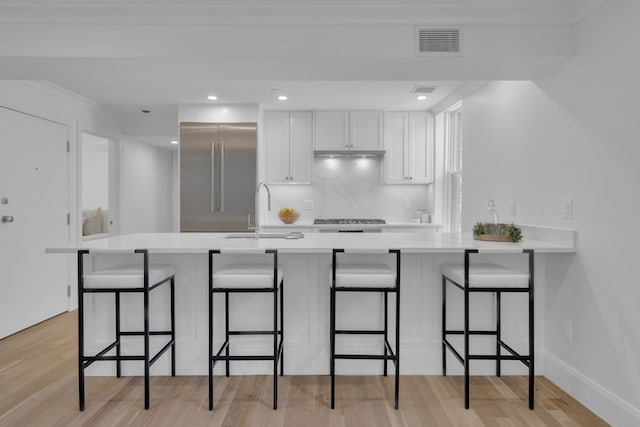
(352, 153)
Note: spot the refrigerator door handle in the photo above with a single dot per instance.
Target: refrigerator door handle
(213, 176)
(221, 176)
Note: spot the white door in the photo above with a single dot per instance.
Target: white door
(34, 203)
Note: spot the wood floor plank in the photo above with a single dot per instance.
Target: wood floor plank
(39, 386)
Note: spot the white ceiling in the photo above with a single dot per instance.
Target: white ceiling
(157, 54)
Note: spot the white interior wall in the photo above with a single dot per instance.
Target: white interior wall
(146, 188)
(572, 133)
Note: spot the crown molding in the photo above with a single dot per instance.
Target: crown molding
(60, 93)
(154, 12)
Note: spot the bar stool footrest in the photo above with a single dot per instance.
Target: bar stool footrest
(358, 332)
(253, 332)
(366, 356)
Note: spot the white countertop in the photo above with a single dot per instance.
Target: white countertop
(415, 242)
(417, 225)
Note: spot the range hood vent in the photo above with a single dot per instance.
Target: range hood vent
(352, 153)
(438, 41)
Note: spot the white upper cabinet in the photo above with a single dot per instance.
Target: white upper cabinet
(366, 130)
(332, 130)
(348, 130)
(409, 143)
(289, 146)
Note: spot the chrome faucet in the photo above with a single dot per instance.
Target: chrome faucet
(261, 184)
(264, 184)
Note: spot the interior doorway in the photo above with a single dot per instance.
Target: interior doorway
(98, 210)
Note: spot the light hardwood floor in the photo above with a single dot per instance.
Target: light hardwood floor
(38, 387)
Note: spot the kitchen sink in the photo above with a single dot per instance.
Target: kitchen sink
(294, 235)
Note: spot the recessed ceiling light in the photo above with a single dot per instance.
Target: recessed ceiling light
(282, 98)
(212, 98)
(421, 97)
(174, 142)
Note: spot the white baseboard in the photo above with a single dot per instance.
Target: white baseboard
(598, 399)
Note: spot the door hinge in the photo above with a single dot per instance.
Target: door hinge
(68, 146)
(68, 219)
(68, 291)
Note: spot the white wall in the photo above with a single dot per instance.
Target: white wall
(146, 187)
(573, 133)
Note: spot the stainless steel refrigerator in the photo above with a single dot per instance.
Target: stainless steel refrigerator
(217, 176)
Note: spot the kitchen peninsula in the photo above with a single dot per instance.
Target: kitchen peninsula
(306, 262)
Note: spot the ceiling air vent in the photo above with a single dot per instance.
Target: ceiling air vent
(437, 41)
(423, 90)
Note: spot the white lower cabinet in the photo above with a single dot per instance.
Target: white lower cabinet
(289, 137)
(409, 145)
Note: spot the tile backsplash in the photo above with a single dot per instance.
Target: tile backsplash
(349, 187)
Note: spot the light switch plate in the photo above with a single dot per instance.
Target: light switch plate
(567, 208)
(512, 208)
(308, 204)
(407, 203)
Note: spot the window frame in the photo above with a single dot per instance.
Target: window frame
(453, 167)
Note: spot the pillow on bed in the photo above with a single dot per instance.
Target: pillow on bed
(92, 222)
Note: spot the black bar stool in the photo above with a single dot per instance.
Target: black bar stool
(366, 278)
(141, 278)
(496, 279)
(247, 278)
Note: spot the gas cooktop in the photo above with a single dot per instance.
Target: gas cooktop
(349, 221)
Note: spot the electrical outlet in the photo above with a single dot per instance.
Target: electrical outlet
(308, 204)
(512, 208)
(567, 208)
(407, 203)
(567, 330)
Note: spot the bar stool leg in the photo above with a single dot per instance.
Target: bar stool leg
(466, 348)
(397, 396)
(118, 347)
(146, 347)
(332, 343)
(531, 347)
(226, 330)
(386, 332)
(80, 333)
(275, 348)
(444, 325)
(281, 355)
(498, 334)
(210, 362)
(173, 327)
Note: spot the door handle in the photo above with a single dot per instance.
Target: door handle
(221, 176)
(6, 218)
(213, 177)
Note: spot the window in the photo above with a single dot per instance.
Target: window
(453, 168)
